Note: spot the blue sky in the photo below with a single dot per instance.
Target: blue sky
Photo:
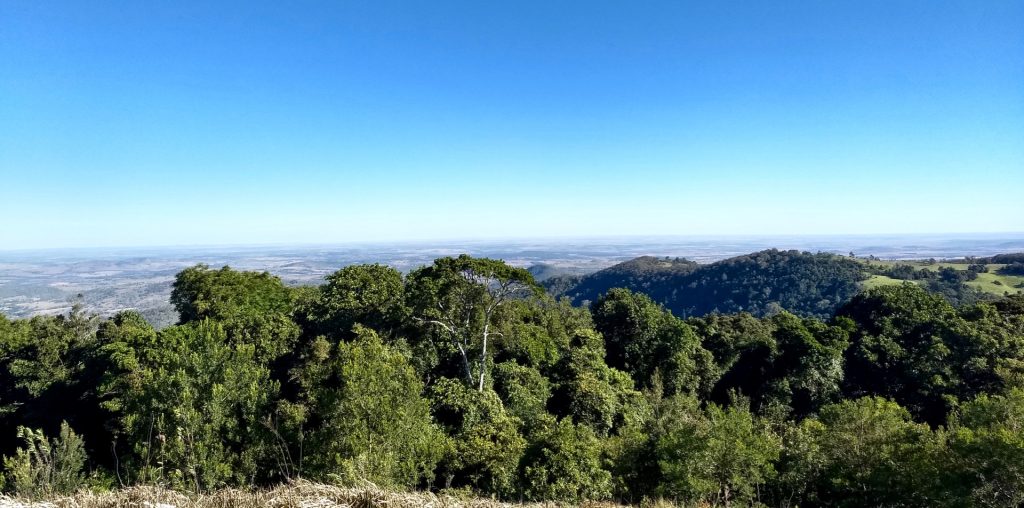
(162, 123)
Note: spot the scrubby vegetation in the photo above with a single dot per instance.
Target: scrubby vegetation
(465, 378)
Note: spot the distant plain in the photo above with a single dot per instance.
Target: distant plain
(109, 280)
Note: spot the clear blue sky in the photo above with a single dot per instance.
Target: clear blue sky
(198, 122)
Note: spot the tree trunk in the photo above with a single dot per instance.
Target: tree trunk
(483, 355)
(465, 363)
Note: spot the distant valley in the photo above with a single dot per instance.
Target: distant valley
(108, 280)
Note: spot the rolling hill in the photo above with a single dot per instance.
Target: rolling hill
(760, 283)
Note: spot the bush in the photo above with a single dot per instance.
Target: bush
(718, 455)
(988, 440)
(43, 468)
(486, 442)
(564, 465)
(368, 419)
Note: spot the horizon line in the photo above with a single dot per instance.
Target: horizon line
(566, 239)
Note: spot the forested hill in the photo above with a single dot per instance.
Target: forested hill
(760, 283)
(640, 275)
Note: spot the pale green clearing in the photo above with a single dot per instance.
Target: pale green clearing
(991, 282)
(998, 284)
(875, 281)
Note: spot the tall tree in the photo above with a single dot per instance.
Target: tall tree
(460, 297)
(716, 455)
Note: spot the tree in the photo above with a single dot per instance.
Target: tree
(718, 455)
(191, 407)
(367, 419)
(460, 297)
(52, 355)
(200, 292)
(801, 464)
(743, 347)
(1012, 269)
(45, 370)
(807, 367)
(987, 440)
(253, 307)
(524, 391)
(872, 453)
(915, 348)
(486, 442)
(642, 338)
(564, 464)
(590, 392)
(370, 295)
(536, 332)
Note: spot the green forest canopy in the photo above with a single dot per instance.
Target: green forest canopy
(463, 375)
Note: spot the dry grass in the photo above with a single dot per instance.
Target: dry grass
(299, 494)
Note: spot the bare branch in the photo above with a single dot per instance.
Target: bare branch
(447, 327)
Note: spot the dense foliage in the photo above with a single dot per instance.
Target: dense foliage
(946, 281)
(1013, 269)
(462, 375)
(760, 283)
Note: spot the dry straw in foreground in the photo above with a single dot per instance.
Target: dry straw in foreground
(299, 494)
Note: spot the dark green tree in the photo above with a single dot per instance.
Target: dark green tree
(48, 375)
(564, 464)
(642, 338)
(590, 392)
(370, 295)
(807, 365)
(915, 348)
(200, 292)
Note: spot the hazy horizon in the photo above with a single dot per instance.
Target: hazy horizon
(888, 239)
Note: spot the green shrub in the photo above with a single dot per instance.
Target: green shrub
(368, 418)
(486, 441)
(718, 455)
(44, 467)
(564, 464)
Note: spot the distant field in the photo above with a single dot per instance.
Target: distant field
(998, 284)
(991, 282)
(875, 281)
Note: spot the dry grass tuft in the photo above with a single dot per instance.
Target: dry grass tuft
(299, 494)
